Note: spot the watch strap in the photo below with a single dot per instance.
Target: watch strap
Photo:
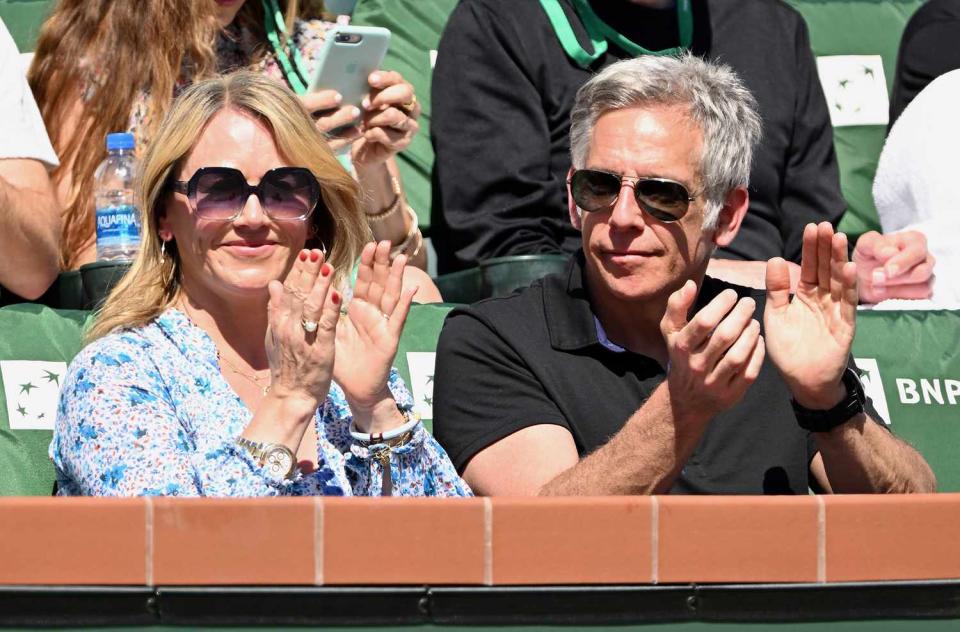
(826, 420)
(259, 451)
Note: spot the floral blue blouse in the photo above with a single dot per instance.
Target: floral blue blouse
(146, 412)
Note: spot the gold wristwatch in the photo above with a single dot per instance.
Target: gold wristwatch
(277, 460)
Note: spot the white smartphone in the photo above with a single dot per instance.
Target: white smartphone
(348, 56)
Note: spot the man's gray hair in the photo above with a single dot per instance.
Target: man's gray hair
(716, 100)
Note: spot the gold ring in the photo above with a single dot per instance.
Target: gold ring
(409, 105)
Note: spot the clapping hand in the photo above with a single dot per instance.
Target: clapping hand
(367, 337)
(302, 314)
(715, 356)
(809, 336)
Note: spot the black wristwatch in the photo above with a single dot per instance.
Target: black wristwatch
(827, 420)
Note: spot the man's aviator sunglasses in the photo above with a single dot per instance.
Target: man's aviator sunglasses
(664, 200)
(220, 193)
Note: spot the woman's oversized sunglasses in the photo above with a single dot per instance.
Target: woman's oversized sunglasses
(664, 200)
(220, 193)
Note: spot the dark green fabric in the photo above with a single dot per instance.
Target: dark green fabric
(420, 334)
(911, 348)
(498, 276)
(32, 332)
(858, 27)
(23, 19)
(415, 27)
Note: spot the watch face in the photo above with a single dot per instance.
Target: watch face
(278, 462)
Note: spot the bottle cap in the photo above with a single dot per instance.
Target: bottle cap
(120, 140)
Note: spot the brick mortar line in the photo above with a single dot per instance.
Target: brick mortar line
(821, 540)
(487, 541)
(148, 535)
(318, 541)
(654, 540)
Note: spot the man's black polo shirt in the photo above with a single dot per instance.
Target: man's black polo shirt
(534, 358)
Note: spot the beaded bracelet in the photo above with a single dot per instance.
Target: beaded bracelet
(394, 206)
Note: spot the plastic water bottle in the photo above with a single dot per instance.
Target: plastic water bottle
(118, 220)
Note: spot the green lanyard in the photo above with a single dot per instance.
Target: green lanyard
(600, 32)
(293, 69)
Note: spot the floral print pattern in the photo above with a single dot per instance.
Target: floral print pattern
(147, 412)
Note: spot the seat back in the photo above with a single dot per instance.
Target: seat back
(36, 343)
(415, 28)
(910, 365)
(23, 19)
(856, 44)
(416, 354)
(499, 276)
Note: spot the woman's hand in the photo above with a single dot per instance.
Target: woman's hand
(339, 123)
(367, 338)
(301, 361)
(390, 113)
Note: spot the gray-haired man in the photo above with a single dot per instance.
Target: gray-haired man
(636, 373)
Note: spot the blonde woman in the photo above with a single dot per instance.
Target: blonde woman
(221, 365)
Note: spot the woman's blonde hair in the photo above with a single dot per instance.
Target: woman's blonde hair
(153, 282)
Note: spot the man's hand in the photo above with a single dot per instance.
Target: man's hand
(809, 337)
(715, 356)
(897, 265)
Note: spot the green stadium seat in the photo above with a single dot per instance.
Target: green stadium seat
(862, 28)
(23, 19)
(910, 364)
(415, 27)
(499, 276)
(417, 352)
(36, 343)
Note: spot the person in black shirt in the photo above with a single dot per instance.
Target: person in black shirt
(636, 374)
(503, 87)
(928, 49)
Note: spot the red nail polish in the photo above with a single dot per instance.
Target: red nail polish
(325, 270)
(335, 298)
(314, 256)
(303, 255)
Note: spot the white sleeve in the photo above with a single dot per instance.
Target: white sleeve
(915, 187)
(22, 133)
(916, 175)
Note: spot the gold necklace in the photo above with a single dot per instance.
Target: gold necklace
(220, 359)
(252, 378)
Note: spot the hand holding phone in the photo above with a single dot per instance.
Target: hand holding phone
(348, 56)
(378, 109)
(340, 123)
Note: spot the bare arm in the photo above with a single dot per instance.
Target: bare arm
(861, 457)
(378, 195)
(809, 338)
(645, 457)
(30, 217)
(713, 359)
